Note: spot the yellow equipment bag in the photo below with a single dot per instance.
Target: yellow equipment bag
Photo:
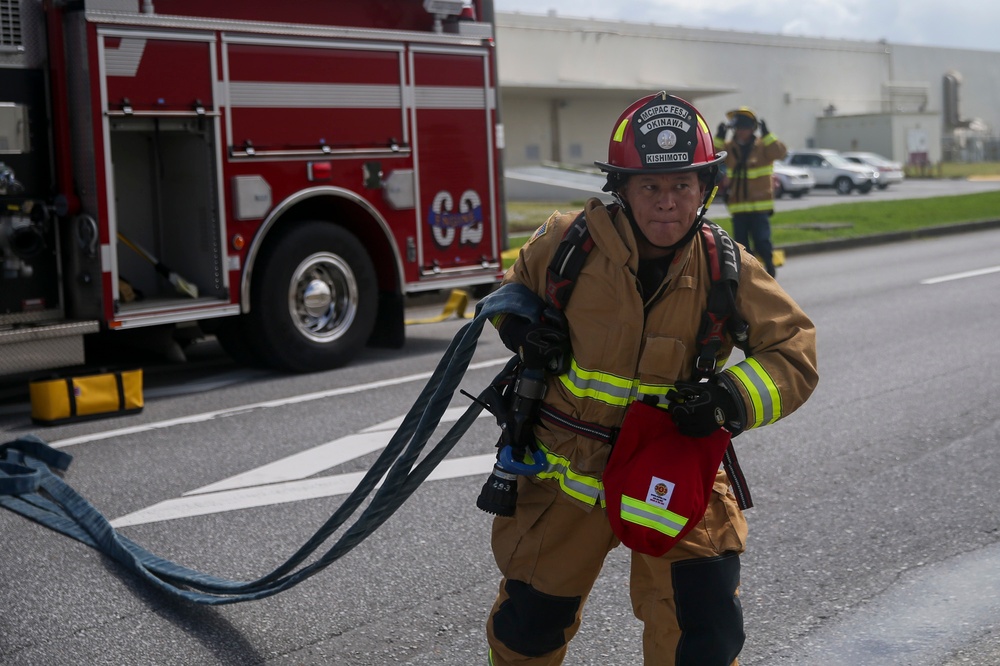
(64, 400)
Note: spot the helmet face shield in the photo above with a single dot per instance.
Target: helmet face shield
(660, 133)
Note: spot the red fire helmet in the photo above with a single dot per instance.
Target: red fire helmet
(661, 133)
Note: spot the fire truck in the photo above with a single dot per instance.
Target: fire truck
(281, 175)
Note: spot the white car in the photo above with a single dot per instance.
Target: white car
(831, 169)
(889, 172)
(791, 180)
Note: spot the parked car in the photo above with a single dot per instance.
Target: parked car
(791, 180)
(889, 172)
(831, 169)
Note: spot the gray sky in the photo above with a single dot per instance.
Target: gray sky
(969, 24)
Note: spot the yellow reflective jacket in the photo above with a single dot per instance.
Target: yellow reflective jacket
(624, 347)
(750, 187)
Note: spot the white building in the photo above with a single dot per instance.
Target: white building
(563, 82)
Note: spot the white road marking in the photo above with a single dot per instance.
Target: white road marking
(323, 457)
(961, 276)
(243, 409)
(292, 491)
(286, 480)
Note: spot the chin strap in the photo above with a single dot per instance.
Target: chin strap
(698, 221)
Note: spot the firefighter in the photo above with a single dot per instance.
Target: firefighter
(630, 330)
(749, 169)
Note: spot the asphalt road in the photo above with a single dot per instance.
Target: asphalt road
(875, 539)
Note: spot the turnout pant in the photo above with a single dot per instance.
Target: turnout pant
(552, 550)
(755, 227)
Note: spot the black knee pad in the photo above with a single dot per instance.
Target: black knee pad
(708, 610)
(533, 623)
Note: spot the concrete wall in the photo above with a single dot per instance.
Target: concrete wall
(888, 134)
(564, 81)
(862, 132)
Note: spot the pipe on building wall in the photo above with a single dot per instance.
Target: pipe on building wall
(556, 138)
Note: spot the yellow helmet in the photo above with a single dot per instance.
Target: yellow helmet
(743, 117)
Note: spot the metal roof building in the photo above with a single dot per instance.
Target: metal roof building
(563, 82)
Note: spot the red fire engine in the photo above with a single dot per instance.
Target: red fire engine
(280, 175)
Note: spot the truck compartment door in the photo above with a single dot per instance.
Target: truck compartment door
(453, 110)
(163, 157)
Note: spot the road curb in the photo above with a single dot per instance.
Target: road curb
(796, 249)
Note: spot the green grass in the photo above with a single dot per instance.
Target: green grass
(858, 219)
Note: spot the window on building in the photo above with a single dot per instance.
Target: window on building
(532, 152)
(575, 151)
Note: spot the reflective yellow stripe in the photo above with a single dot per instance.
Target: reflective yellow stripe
(719, 143)
(659, 390)
(596, 385)
(760, 172)
(620, 132)
(769, 139)
(587, 489)
(750, 206)
(764, 395)
(653, 517)
(606, 387)
(702, 124)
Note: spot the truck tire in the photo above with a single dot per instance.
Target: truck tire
(843, 185)
(313, 299)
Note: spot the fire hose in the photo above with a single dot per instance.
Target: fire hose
(30, 487)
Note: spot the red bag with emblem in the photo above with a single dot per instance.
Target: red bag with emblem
(658, 482)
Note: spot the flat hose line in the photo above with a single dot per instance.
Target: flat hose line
(29, 487)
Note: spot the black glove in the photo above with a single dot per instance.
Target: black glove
(763, 128)
(701, 409)
(720, 133)
(543, 345)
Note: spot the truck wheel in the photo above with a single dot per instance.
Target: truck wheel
(843, 185)
(314, 299)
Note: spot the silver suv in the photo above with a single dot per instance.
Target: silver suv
(830, 169)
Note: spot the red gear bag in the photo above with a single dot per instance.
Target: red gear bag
(658, 482)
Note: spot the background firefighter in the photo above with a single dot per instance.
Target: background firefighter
(632, 325)
(749, 166)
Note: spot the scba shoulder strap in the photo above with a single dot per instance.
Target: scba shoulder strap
(724, 271)
(567, 262)
(720, 313)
